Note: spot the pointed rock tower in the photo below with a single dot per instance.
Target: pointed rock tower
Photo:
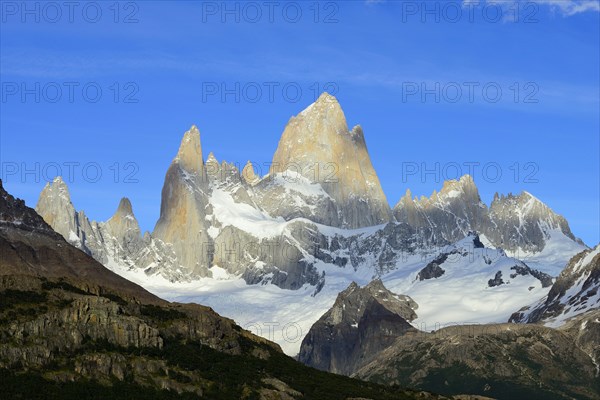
(248, 174)
(54, 205)
(318, 144)
(124, 227)
(183, 206)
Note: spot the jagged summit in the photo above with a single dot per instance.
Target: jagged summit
(57, 187)
(317, 144)
(189, 156)
(325, 106)
(512, 222)
(55, 206)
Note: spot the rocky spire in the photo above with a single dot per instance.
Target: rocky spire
(248, 174)
(183, 206)
(124, 228)
(125, 207)
(318, 143)
(189, 156)
(212, 166)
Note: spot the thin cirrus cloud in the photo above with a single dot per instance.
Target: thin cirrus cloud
(566, 8)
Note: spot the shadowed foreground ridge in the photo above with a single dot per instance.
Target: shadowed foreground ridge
(71, 329)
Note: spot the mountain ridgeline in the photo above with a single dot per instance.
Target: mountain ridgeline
(311, 209)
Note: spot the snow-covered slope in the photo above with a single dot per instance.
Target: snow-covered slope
(463, 294)
(576, 291)
(467, 283)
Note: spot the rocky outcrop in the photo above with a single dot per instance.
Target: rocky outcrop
(362, 322)
(318, 145)
(433, 270)
(585, 328)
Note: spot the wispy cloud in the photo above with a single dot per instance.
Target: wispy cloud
(572, 7)
(564, 7)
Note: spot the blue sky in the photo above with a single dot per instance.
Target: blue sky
(397, 69)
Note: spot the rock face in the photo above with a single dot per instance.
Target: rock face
(182, 221)
(70, 326)
(519, 223)
(503, 361)
(362, 322)
(576, 291)
(318, 145)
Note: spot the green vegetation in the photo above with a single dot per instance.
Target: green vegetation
(239, 376)
(113, 297)
(232, 375)
(67, 287)
(11, 298)
(459, 378)
(15, 304)
(161, 314)
(32, 386)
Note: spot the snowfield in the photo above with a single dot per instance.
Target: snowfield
(461, 295)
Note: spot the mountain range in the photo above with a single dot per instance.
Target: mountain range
(280, 247)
